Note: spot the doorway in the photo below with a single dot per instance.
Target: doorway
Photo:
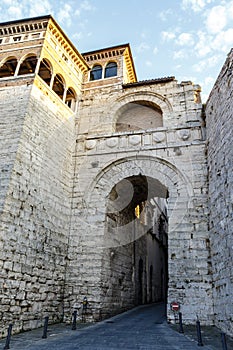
(136, 234)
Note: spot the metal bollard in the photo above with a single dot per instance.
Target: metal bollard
(199, 334)
(181, 330)
(74, 326)
(224, 343)
(46, 321)
(8, 338)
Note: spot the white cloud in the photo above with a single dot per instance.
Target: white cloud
(77, 36)
(15, 12)
(143, 35)
(163, 15)
(77, 12)
(167, 36)
(200, 66)
(142, 47)
(179, 54)
(185, 39)
(85, 5)
(223, 41)
(195, 5)
(216, 19)
(25, 8)
(8, 2)
(207, 85)
(40, 8)
(155, 51)
(203, 47)
(148, 63)
(209, 81)
(207, 63)
(64, 14)
(230, 9)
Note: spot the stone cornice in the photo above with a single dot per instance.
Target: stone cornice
(111, 52)
(130, 65)
(66, 44)
(24, 26)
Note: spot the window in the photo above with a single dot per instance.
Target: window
(110, 70)
(28, 66)
(96, 72)
(59, 85)
(17, 38)
(45, 71)
(71, 99)
(35, 35)
(8, 68)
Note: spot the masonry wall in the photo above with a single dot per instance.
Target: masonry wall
(37, 144)
(104, 157)
(11, 129)
(219, 123)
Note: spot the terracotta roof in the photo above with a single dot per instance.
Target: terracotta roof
(149, 82)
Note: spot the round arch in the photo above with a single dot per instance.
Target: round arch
(8, 66)
(27, 64)
(71, 98)
(115, 245)
(177, 184)
(139, 115)
(96, 72)
(110, 69)
(147, 97)
(45, 70)
(59, 85)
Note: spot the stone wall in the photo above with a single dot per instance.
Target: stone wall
(37, 147)
(219, 123)
(11, 129)
(174, 155)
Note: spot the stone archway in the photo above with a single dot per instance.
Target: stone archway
(146, 98)
(178, 185)
(96, 245)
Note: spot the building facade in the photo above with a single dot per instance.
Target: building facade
(105, 185)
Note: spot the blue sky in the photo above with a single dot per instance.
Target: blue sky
(188, 39)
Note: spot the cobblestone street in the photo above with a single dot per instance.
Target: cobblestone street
(144, 328)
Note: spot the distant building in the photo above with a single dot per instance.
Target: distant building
(109, 188)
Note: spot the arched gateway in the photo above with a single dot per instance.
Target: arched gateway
(133, 244)
(106, 193)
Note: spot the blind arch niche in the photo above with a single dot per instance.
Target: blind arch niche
(139, 115)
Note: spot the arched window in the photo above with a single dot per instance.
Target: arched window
(139, 115)
(45, 71)
(96, 72)
(59, 85)
(8, 68)
(110, 70)
(71, 98)
(28, 66)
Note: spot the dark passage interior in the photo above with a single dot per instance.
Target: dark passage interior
(135, 260)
